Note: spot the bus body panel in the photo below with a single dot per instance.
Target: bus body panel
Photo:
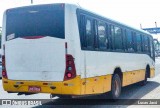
(73, 39)
(107, 62)
(70, 87)
(22, 56)
(30, 58)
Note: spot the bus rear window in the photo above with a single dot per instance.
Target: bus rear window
(43, 20)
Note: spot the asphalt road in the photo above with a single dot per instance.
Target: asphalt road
(135, 91)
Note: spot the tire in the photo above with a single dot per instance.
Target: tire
(144, 82)
(116, 86)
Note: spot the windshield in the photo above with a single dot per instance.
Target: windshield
(43, 20)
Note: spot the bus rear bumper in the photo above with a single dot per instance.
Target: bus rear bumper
(69, 87)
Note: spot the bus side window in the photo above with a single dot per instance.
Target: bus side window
(139, 43)
(111, 37)
(125, 40)
(107, 35)
(129, 41)
(95, 35)
(118, 38)
(103, 42)
(146, 44)
(89, 35)
(134, 35)
(143, 48)
(82, 31)
(151, 47)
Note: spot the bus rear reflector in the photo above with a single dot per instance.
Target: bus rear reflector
(33, 37)
(69, 75)
(4, 73)
(70, 71)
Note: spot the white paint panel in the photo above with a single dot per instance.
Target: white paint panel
(35, 59)
(72, 35)
(102, 63)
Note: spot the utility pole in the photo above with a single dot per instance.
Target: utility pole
(141, 26)
(156, 26)
(31, 1)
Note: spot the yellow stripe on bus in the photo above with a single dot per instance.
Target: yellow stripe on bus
(77, 86)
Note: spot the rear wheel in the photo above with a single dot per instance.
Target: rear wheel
(144, 82)
(116, 87)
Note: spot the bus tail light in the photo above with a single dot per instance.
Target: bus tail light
(70, 71)
(4, 72)
(69, 75)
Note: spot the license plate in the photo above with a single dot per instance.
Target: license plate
(34, 89)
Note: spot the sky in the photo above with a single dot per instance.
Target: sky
(129, 12)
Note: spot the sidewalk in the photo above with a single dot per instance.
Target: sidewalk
(154, 94)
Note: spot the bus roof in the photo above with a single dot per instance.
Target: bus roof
(112, 20)
(77, 6)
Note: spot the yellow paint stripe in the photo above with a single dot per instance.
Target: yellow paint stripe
(61, 88)
(96, 85)
(152, 73)
(78, 86)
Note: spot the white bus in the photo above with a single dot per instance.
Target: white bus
(65, 50)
